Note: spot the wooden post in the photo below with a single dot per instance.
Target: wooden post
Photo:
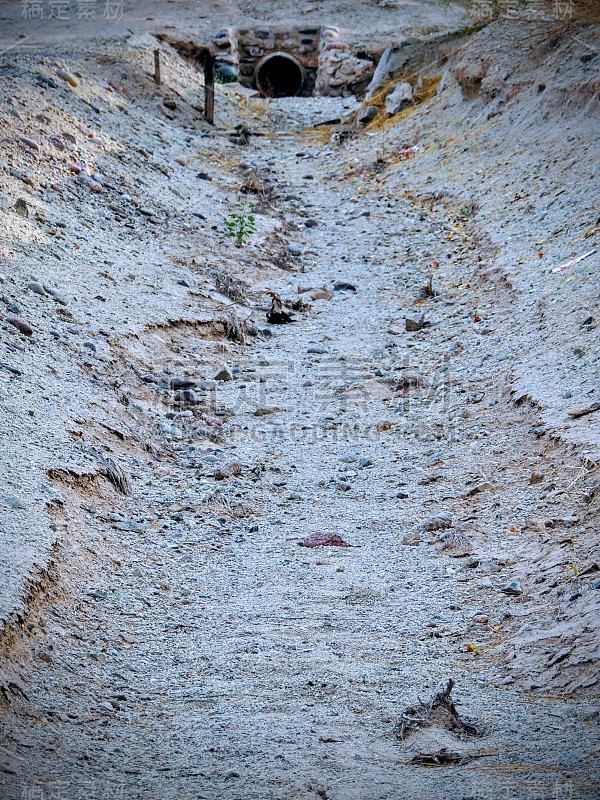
(209, 88)
(157, 79)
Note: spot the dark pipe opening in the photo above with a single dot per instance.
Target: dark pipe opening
(279, 75)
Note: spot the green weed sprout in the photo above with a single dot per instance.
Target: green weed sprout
(240, 224)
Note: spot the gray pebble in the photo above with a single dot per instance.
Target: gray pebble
(514, 587)
(37, 288)
(130, 525)
(224, 374)
(171, 430)
(14, 502)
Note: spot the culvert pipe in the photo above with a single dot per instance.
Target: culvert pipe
(279, 74)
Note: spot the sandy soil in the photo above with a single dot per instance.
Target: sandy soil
(164, 633)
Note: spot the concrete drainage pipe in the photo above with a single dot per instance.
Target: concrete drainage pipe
(279, 75)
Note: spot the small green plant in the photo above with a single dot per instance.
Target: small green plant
(240, 223)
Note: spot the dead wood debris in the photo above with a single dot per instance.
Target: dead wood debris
(427, 290)
(235, 329)
(442, 758)
(276, 314)
(439, 711)
(114, 473)
(323, 539)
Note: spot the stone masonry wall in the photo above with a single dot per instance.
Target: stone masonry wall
(330, 65)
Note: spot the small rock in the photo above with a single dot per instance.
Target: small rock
(321, 294)
(130, 525)
(581, 411)
(21, 208)
(118, 87)
(514, 587)
(383, 425)
(399, 99)
(12, 307)
(368, 115)
(412, 539)
(95, 186)
(226, 73)
(56, 295)
(14, 502)
(541, 430)
(480, 619)
(323, 539)
(68, 77)
(171, 430)
(264, 410)
(394, 330)
(30, 143)
(208, 386)
(37, 288)
(182, 383)
(414, 324)
(481, 487)
(23, 176)
(438, 523)
(106, 706)
(343, 286)
(187, 396)
(317, 350)
(294, 250)
(20, 325)
(224, 374)
(536, 477)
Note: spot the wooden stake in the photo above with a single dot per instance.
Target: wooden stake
(157, 78)
(209, 88)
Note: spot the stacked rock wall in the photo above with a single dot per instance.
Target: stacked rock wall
(340, 71)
